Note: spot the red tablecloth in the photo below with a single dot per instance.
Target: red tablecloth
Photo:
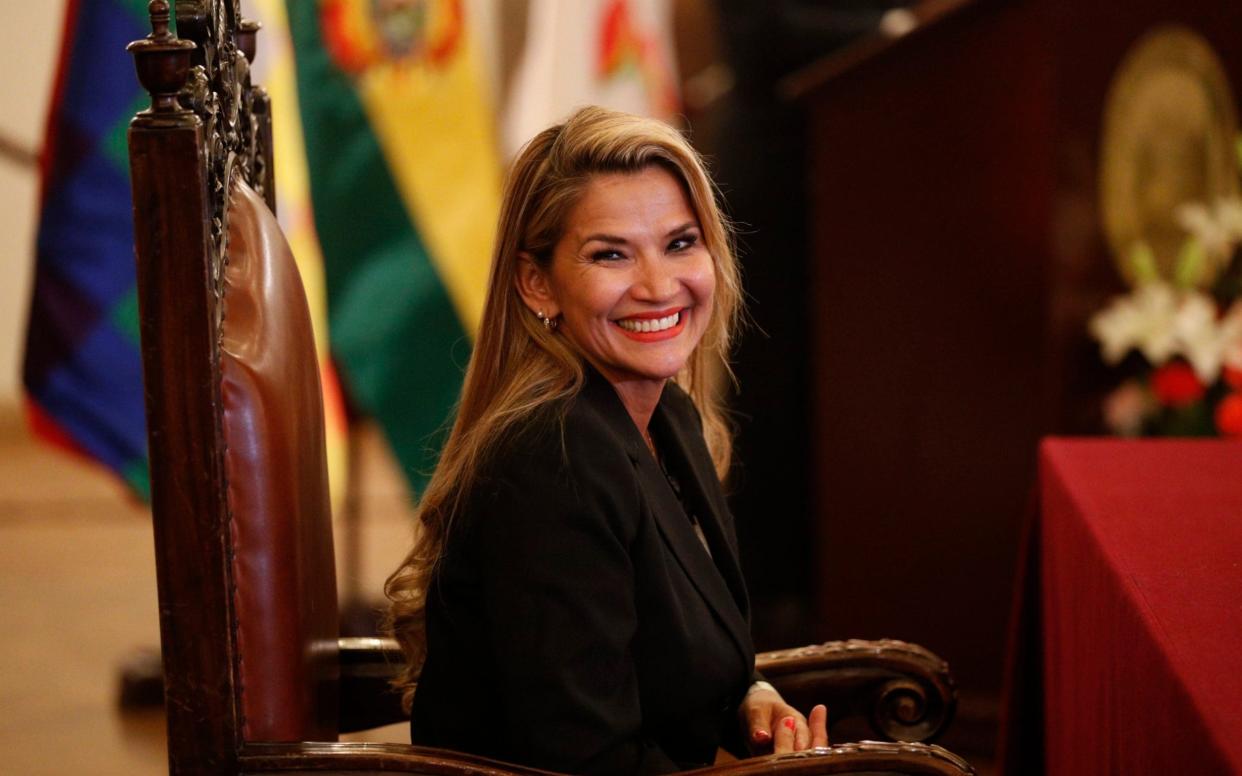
(1140, 597)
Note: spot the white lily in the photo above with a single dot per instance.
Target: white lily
(1229, 214)
(1202, 339)
(1217, 227)
(1143, 319)
(1198, 221)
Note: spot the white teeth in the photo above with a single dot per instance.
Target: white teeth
(649, 324)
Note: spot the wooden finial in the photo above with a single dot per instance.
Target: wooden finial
(247, 32)
(160, 11)
(162, 60)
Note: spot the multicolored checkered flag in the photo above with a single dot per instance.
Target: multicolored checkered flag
(83, 371)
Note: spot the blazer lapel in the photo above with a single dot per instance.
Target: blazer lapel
(669, 515)
(689, 551)
(685, 446)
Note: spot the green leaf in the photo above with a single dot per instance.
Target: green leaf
(1191, 262)
(1193, 420)
(1143, 263)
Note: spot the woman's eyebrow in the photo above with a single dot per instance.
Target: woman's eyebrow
(607, 238)
(618, 240)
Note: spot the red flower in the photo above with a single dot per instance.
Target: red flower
(1233, 377)
(1176, 385)
(1229, 415)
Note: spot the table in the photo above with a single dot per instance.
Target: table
(1130, 613)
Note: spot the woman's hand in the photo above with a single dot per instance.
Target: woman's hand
(771, 725)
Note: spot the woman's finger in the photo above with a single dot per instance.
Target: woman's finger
(758, 725)
(802, 734)
(818, 722)
(783, 738)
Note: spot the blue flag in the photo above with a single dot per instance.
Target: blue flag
(83, 370)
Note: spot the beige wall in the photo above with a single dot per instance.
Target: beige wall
(27, 58)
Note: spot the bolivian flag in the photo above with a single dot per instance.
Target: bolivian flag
(404, 178)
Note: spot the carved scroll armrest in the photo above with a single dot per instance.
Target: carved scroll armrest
(367, 700)
(867, 757)
(904, 690)
(863, 757)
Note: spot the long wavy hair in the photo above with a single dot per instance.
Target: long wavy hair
(518, 367)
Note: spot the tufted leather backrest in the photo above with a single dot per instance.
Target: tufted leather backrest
(284, 580)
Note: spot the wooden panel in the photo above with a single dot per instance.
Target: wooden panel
(176, 314)
(928, 292)
(183, 153)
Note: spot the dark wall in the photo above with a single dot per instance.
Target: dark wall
(756, 142)
(957, 254)
(931, 183)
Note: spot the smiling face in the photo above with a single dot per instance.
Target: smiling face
(630, 279)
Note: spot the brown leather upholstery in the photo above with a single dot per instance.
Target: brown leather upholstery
(284, 597)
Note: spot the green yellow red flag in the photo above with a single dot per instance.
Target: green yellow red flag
(405, 180)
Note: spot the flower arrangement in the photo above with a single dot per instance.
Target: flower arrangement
(1182, 335)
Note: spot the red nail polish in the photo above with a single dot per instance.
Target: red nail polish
(789, 723)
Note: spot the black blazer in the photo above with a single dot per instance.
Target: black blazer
(576, 622)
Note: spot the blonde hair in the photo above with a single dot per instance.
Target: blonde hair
(518, 367)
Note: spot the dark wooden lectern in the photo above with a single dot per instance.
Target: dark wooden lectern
(958, 251)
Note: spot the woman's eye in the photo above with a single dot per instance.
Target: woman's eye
(682, 243)
(607, 255)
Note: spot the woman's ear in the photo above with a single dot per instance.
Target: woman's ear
(533, 286)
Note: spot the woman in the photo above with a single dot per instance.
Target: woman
(574, 588)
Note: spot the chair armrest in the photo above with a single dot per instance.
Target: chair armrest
(866, 757)
(904, 690)
(367, 699)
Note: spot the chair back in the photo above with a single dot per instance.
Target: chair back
(244, 557)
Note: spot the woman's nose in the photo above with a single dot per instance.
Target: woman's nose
(656, 281)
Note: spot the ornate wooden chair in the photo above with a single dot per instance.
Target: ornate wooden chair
(256, 678)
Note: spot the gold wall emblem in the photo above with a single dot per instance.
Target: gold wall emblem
(1169, 138)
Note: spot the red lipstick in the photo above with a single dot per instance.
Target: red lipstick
(655, 336)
